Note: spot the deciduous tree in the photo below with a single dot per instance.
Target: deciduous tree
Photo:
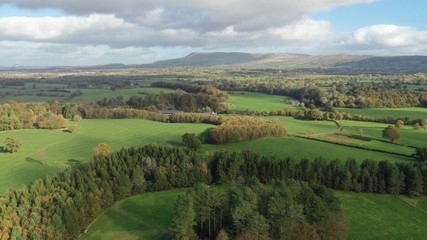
(12, 144)
(102, 149)
(392, 133)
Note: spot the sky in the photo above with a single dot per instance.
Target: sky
(92, 32)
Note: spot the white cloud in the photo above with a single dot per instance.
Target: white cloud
(389, 35)
(120, 31)
(384, 39)
(49, 28)
(306, 30)
(202, 16)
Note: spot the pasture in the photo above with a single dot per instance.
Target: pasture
(409, 136)
(30, 94)
(243, 101)
(47, 151)
(93, 95)
(372, 216)
(369, 216)
(410, 113)
(146, 216)
(299, 148)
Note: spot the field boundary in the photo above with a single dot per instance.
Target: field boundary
(353, 146)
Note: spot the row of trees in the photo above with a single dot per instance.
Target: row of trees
(62, 206)
(187, 97)
(196, 118)
(191, 88)
(179, 100)
(283, 210)
(17, 116)
(369, 176)
(345, 94)
(234, 130)
(334, 114)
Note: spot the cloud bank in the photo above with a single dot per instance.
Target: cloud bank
(117, 28)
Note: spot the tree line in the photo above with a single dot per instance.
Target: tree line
(314, 95)
(333, 114)
(234, 130)
(187, 97)
(15, 116)
(62, 206)
(281, 210)
(369, 176)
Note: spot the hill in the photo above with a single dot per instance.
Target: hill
(321, 64)
(328, 64)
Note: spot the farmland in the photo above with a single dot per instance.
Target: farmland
(88, 95)
(384, 216)
(367, 216)
(243, 101)
(148, 216)
(47, 151)
(412, 113)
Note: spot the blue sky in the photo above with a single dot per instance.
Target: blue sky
(397, 12)
(82, 32)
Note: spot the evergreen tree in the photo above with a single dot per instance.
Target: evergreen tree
(184, 218)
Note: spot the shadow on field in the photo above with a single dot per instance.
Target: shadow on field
(33, 160)
(175, 143)
(73, 162)
(2, 150)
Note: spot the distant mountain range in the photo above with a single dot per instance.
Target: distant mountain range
(333, 64)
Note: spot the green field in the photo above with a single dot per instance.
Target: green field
(369, 216)
(302, 127)
(384, 217)
(411, 113)
(257, 101)
(89, 94)
(146, 216)
(93, 95)
(409, 136)
(47, 151)
(298, 148)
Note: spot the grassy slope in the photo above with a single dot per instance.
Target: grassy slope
(57, 148)
(383, 217)
(46, 152)
(300, 148)
(369, 216)
(93, 95)
(89, 95)
(257, 101)
(145, 216)
(411, 113)
(409, 136)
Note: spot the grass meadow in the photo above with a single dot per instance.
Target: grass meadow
(299, 148)
(146, 216)
(89, 94)
(369, 216)
(257, 101)
(47, 151)
(411, 113)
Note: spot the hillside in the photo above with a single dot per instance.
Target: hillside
(330, 64)
(320, 64)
